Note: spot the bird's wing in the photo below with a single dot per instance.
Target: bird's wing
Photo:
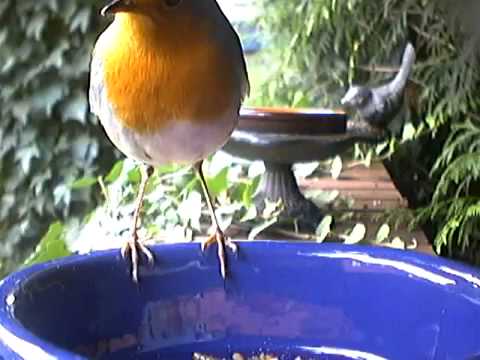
(96, 84)
(95, 93)
(245, 82)
(243, 73)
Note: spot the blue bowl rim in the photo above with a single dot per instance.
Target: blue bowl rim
(13, 335)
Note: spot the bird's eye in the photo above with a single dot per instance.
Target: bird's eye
(172, 3)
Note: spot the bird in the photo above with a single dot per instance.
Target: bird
(379, 105)
(167, 80)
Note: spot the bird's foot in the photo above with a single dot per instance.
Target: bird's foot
(133, 249)
(222, 242)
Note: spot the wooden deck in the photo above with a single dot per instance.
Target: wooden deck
(369, 192)
(372, 192)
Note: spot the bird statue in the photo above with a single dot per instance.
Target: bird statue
(167, 80)
(378, 106)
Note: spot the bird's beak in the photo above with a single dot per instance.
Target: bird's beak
(115, 6)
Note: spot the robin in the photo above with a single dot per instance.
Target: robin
(167, 81)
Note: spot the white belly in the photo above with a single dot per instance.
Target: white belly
(181, 142)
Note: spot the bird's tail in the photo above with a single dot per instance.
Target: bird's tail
(408, 59)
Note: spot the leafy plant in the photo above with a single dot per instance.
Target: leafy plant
(322, 46)
(51, 150)
(51, 246)
(456, 199)
(173, 208)
(47, 138)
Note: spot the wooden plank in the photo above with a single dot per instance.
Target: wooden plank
(376, 172)
(372, 192)
(368, 203)
(328, 184)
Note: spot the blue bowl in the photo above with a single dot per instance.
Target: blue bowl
(288, 299)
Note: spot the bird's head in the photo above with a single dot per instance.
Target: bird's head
(356, 97)
(156, 9)
(173, 22)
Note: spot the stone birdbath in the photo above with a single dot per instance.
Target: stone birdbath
(282, 137)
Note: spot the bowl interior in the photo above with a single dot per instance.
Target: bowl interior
(313, 301)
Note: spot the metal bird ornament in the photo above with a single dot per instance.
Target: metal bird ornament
(379, 105)
(167, 81)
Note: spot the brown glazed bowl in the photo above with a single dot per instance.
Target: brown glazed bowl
(308, 121)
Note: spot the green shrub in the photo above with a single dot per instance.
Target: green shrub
(315, 49)
(47, 138)
(323, 45)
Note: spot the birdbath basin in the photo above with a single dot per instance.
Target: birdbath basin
(282, 137)
(316, 301)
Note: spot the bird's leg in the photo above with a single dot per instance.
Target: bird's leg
(218, 237)
(133, 246)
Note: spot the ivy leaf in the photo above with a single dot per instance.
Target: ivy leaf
(192, 184)
(26, 155)
(336, 168)
(115, 172)
(75, 107)
(51, 246)
(256, 168)
(84, 183)
(298, 98)
(134, 175)
(306, 169)
(324, 228)
(383, 233)
(190, 210)
(36, 25)
(408, 132)
(257, 230)
(356, 235)
(81, 20)
(80, 147)
(321, 197)
(250, 190)
(397, 243)
(48, 97)
(218, 183)
(237, 190)
(21, 110)
(167, 169)
(250, 214)
(381, 147)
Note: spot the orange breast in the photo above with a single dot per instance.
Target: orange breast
(151, 84)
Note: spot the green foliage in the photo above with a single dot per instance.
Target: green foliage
(51, 150)
(383, 233)
(324, 228)
(456, 201)
(51, 246)
(47, 138)
(322, 46)
(174, 209)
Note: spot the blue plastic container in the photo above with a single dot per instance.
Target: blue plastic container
(288, 299)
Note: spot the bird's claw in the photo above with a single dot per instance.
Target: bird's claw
(131, 249)
(219, 238)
